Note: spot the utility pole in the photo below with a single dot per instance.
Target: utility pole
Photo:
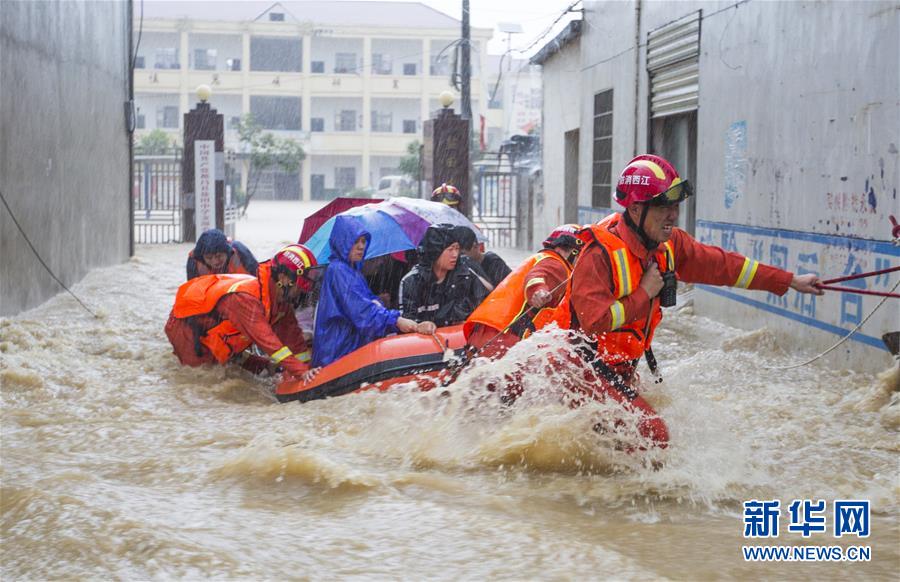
(466, 64)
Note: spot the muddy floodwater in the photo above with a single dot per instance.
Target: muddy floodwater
(119, 463)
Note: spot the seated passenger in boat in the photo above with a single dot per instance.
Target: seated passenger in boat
(441, 288)
(349, 315)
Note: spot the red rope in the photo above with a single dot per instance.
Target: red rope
(860, 291)
(860, 276)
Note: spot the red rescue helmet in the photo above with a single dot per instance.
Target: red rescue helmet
(447, 194)
(563, 236)
(297, 262)
(652, 180)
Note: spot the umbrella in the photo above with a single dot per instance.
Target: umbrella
(314, 221)
(396, 224)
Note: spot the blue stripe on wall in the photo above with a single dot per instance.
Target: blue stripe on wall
(858, 336)
(856, 244)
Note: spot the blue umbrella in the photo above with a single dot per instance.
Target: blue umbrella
(388, 235)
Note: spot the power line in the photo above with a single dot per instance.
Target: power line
(41, 260)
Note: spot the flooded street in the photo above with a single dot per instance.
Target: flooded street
(119, 463)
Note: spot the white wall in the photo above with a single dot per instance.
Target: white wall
(227, 46)
(151, 41)
(326, 164)
(401, 109)
(797, 150)
(324, 49)
(149, 104)
(328, 108)
(561, 113)
(400, 52)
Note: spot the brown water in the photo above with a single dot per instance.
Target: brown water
(117, 462)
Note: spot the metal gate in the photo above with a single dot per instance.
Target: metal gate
(496, 209)
(157, 199)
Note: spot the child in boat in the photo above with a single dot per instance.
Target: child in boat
(349, 315)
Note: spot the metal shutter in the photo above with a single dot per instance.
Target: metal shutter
(673, 61)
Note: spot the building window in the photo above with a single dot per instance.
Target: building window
(346, 120)
(276, 112)
(381, 121)
(318, 66)
(317, 186)
(205, 59)
(234, 121)
(345, 63)
(409, 69)
(382, 64)
(344, 179)
(276, 16)
(276, 54)
(139, 62)
(166, 58)
(233, 64)
(317, 124)
(409, 126)
(140, 121)
(601, 184)
(496, 101)
(167, 117)
(440, 66)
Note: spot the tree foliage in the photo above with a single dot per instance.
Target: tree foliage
(154, 143)
(409, 164)
(267, 151)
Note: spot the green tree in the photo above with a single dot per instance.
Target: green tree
(155, 143)
(266, 151)
(409, 164)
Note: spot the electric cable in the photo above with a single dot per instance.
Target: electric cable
(41, 260)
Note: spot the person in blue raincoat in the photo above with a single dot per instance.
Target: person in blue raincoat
(349, 315)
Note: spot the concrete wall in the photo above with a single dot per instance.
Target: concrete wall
(64, 158)
(561, 113)
(797, 149)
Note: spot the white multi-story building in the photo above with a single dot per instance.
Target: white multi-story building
(351, 81)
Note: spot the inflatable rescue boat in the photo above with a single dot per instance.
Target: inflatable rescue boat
(381, 364)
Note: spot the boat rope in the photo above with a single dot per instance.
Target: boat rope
(38, 255)
(841, 341)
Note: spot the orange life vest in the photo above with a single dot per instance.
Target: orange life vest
(626, 342)
(506, 304)
(200, 295)
(234, 266)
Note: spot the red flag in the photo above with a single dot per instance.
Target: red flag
(481, 134)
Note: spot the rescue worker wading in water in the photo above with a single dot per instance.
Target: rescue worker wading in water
(217, 317)
(528, 299)
(614, 288)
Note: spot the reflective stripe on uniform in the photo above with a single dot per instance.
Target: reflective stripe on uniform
(618, 315)
(747, 274)
(281, 354)
(535, 281)
(304, 356)
(670, 257)
(620, 262)
(235, 286)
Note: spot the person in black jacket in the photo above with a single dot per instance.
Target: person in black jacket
(441, 288)
(489, 262)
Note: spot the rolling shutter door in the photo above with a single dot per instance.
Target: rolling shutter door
(673, 61)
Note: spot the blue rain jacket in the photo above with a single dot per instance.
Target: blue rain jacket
(348, 315)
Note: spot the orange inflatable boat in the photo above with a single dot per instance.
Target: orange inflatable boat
(381, 364)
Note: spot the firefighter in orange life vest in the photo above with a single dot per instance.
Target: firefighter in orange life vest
(528, 298)
(216, 254)
(217, 317)
(627, 270)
